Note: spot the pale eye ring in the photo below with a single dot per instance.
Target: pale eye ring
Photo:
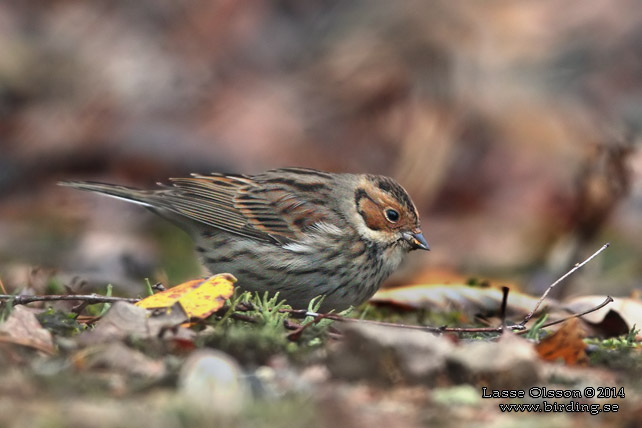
(392, 215)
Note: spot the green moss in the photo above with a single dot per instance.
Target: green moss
(618, 353)
(60, 323)
(261, 330)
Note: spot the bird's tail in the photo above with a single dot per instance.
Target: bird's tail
(129, 194)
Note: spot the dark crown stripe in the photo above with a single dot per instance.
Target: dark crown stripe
(394, 189)
(384, 185)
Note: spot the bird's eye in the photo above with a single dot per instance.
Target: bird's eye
(392, 215)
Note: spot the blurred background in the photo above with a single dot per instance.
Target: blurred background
(515, 126)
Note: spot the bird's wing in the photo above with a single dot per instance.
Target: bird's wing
(277, 206)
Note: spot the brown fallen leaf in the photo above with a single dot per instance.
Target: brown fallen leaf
(613, 320)
(23, 328)
(127, 320)
(198, 298)
(566, 344)
(460, 296)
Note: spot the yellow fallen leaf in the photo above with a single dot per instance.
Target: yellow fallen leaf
(199, 298)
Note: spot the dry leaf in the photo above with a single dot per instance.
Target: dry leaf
(566, 343)
(127, 320)
(23, 328)
(480, 299)
(198, 298)
(615, 319)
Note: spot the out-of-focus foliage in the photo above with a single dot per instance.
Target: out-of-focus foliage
(512, 124)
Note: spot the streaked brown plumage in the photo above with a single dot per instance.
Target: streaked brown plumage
(300, 232)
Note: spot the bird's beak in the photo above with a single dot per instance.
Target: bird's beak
(417, 240)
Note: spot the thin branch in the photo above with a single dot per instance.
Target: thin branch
(606, 301)
(302, 313)
(562, 278)
(90, 298)
(502, 313)
(297, 330)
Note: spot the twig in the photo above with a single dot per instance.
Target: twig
(606, 301)
(502, 312)
(90, 298)
(563, 277)
(79, 308)
(297, 329)
(302, 313)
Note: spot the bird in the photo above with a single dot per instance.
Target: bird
(300, 232)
